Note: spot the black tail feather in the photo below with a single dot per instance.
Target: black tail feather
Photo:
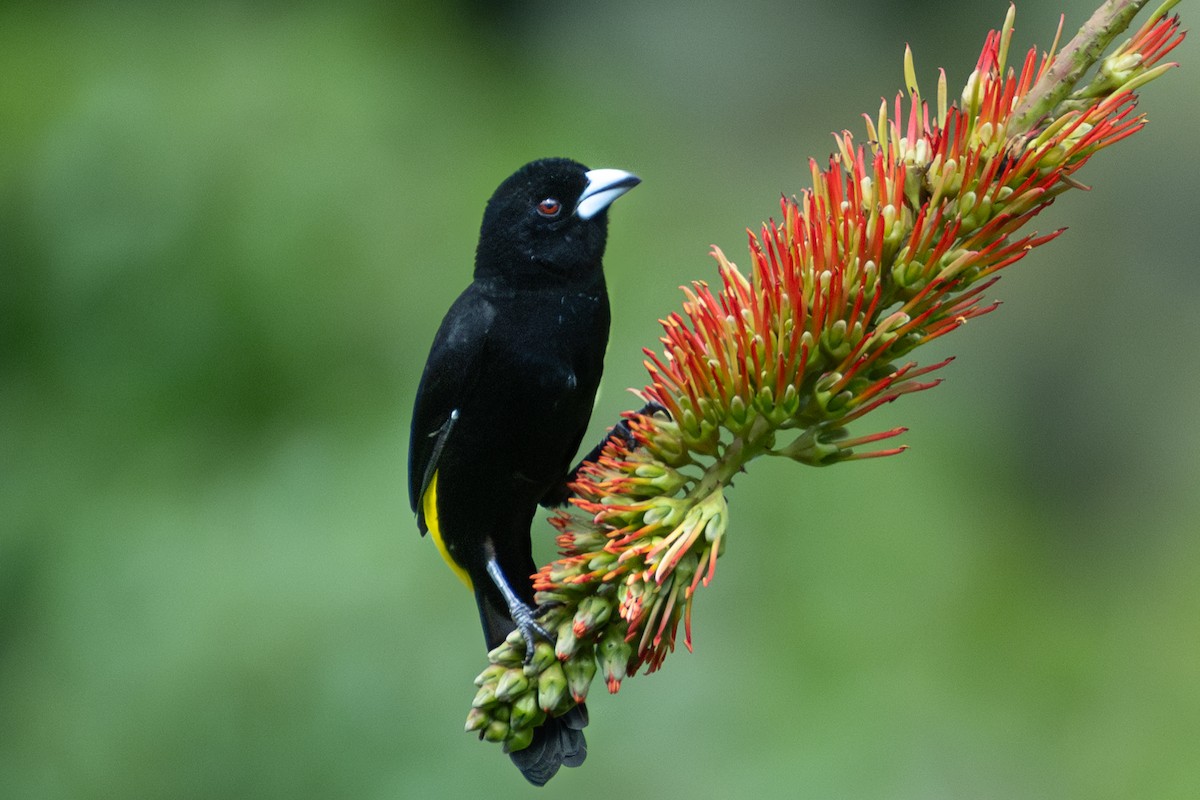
(556, 743)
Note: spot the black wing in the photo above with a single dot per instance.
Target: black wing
(450, 372)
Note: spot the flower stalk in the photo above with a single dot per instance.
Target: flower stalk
(894, 246)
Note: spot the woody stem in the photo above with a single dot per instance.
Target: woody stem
(1076, 58)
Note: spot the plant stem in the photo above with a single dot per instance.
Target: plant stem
(1089, 44)
(741, 450)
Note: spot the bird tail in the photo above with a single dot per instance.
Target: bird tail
(556, 743)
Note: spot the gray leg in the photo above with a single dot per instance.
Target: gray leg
(521, 614)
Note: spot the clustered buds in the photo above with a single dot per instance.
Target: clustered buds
(893, 247)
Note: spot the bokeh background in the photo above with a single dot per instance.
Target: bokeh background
(227, 235)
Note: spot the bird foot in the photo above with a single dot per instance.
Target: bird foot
(559, 494)
(522, 615)
(526, 620)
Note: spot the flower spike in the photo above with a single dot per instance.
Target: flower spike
(893, 246)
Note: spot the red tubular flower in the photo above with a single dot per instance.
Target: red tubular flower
(893, 246)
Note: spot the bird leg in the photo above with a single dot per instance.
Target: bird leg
(524, 616)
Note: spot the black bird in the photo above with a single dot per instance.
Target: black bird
(505, 399)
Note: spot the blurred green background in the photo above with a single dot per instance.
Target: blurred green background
(227, 234)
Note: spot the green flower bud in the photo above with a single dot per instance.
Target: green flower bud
(613, 653)
(666, 444)
(551, 687)
(485, 697)
(904, 344)
(951, 179)
(580, 671)
(669, 482)
(545, 597)
(491, 673)
(714, 528)
(589, 538)
(601, 561)
(1051, 158)
(1120, 67)
(510, 652)
(839, 401)
(966, 203)
(496, 731)
(984, 211)
(665, 512)
(512, 683)
(738, 413)
(823, 392)
(764, 398)
(563, 571)
(699, 433)
(649, 469)
(477, 719)
(807, 448)
(565, 644)
(525, 712)
(593, 612)
(791, 400)
(543, 657)
(518, 740)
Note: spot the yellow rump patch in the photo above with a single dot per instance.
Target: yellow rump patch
(430, 508)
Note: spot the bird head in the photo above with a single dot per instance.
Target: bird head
(547, 223)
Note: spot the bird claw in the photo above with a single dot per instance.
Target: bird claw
(624, 432)
(558, 495)
(526, 621)
(524, 617)
(549, 605)
(651, 408)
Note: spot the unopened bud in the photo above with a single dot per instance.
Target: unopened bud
(525, 712)
(564, 645)
(580, 672)
(593, 612)
(738, 413)
(613, 654)
(512, 683)
(518, 739)
(551, 687)
(486, 696)
(491, 673)
(496, 731)
(477, 719)
(509, 653)
(543, 657)
(1121, 67)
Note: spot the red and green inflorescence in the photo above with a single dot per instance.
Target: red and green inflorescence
(894, 246)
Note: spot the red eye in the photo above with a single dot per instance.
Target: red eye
(550, 207)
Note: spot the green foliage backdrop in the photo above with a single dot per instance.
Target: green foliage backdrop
(227, 235)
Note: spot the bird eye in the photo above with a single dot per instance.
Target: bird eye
(549, 208)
